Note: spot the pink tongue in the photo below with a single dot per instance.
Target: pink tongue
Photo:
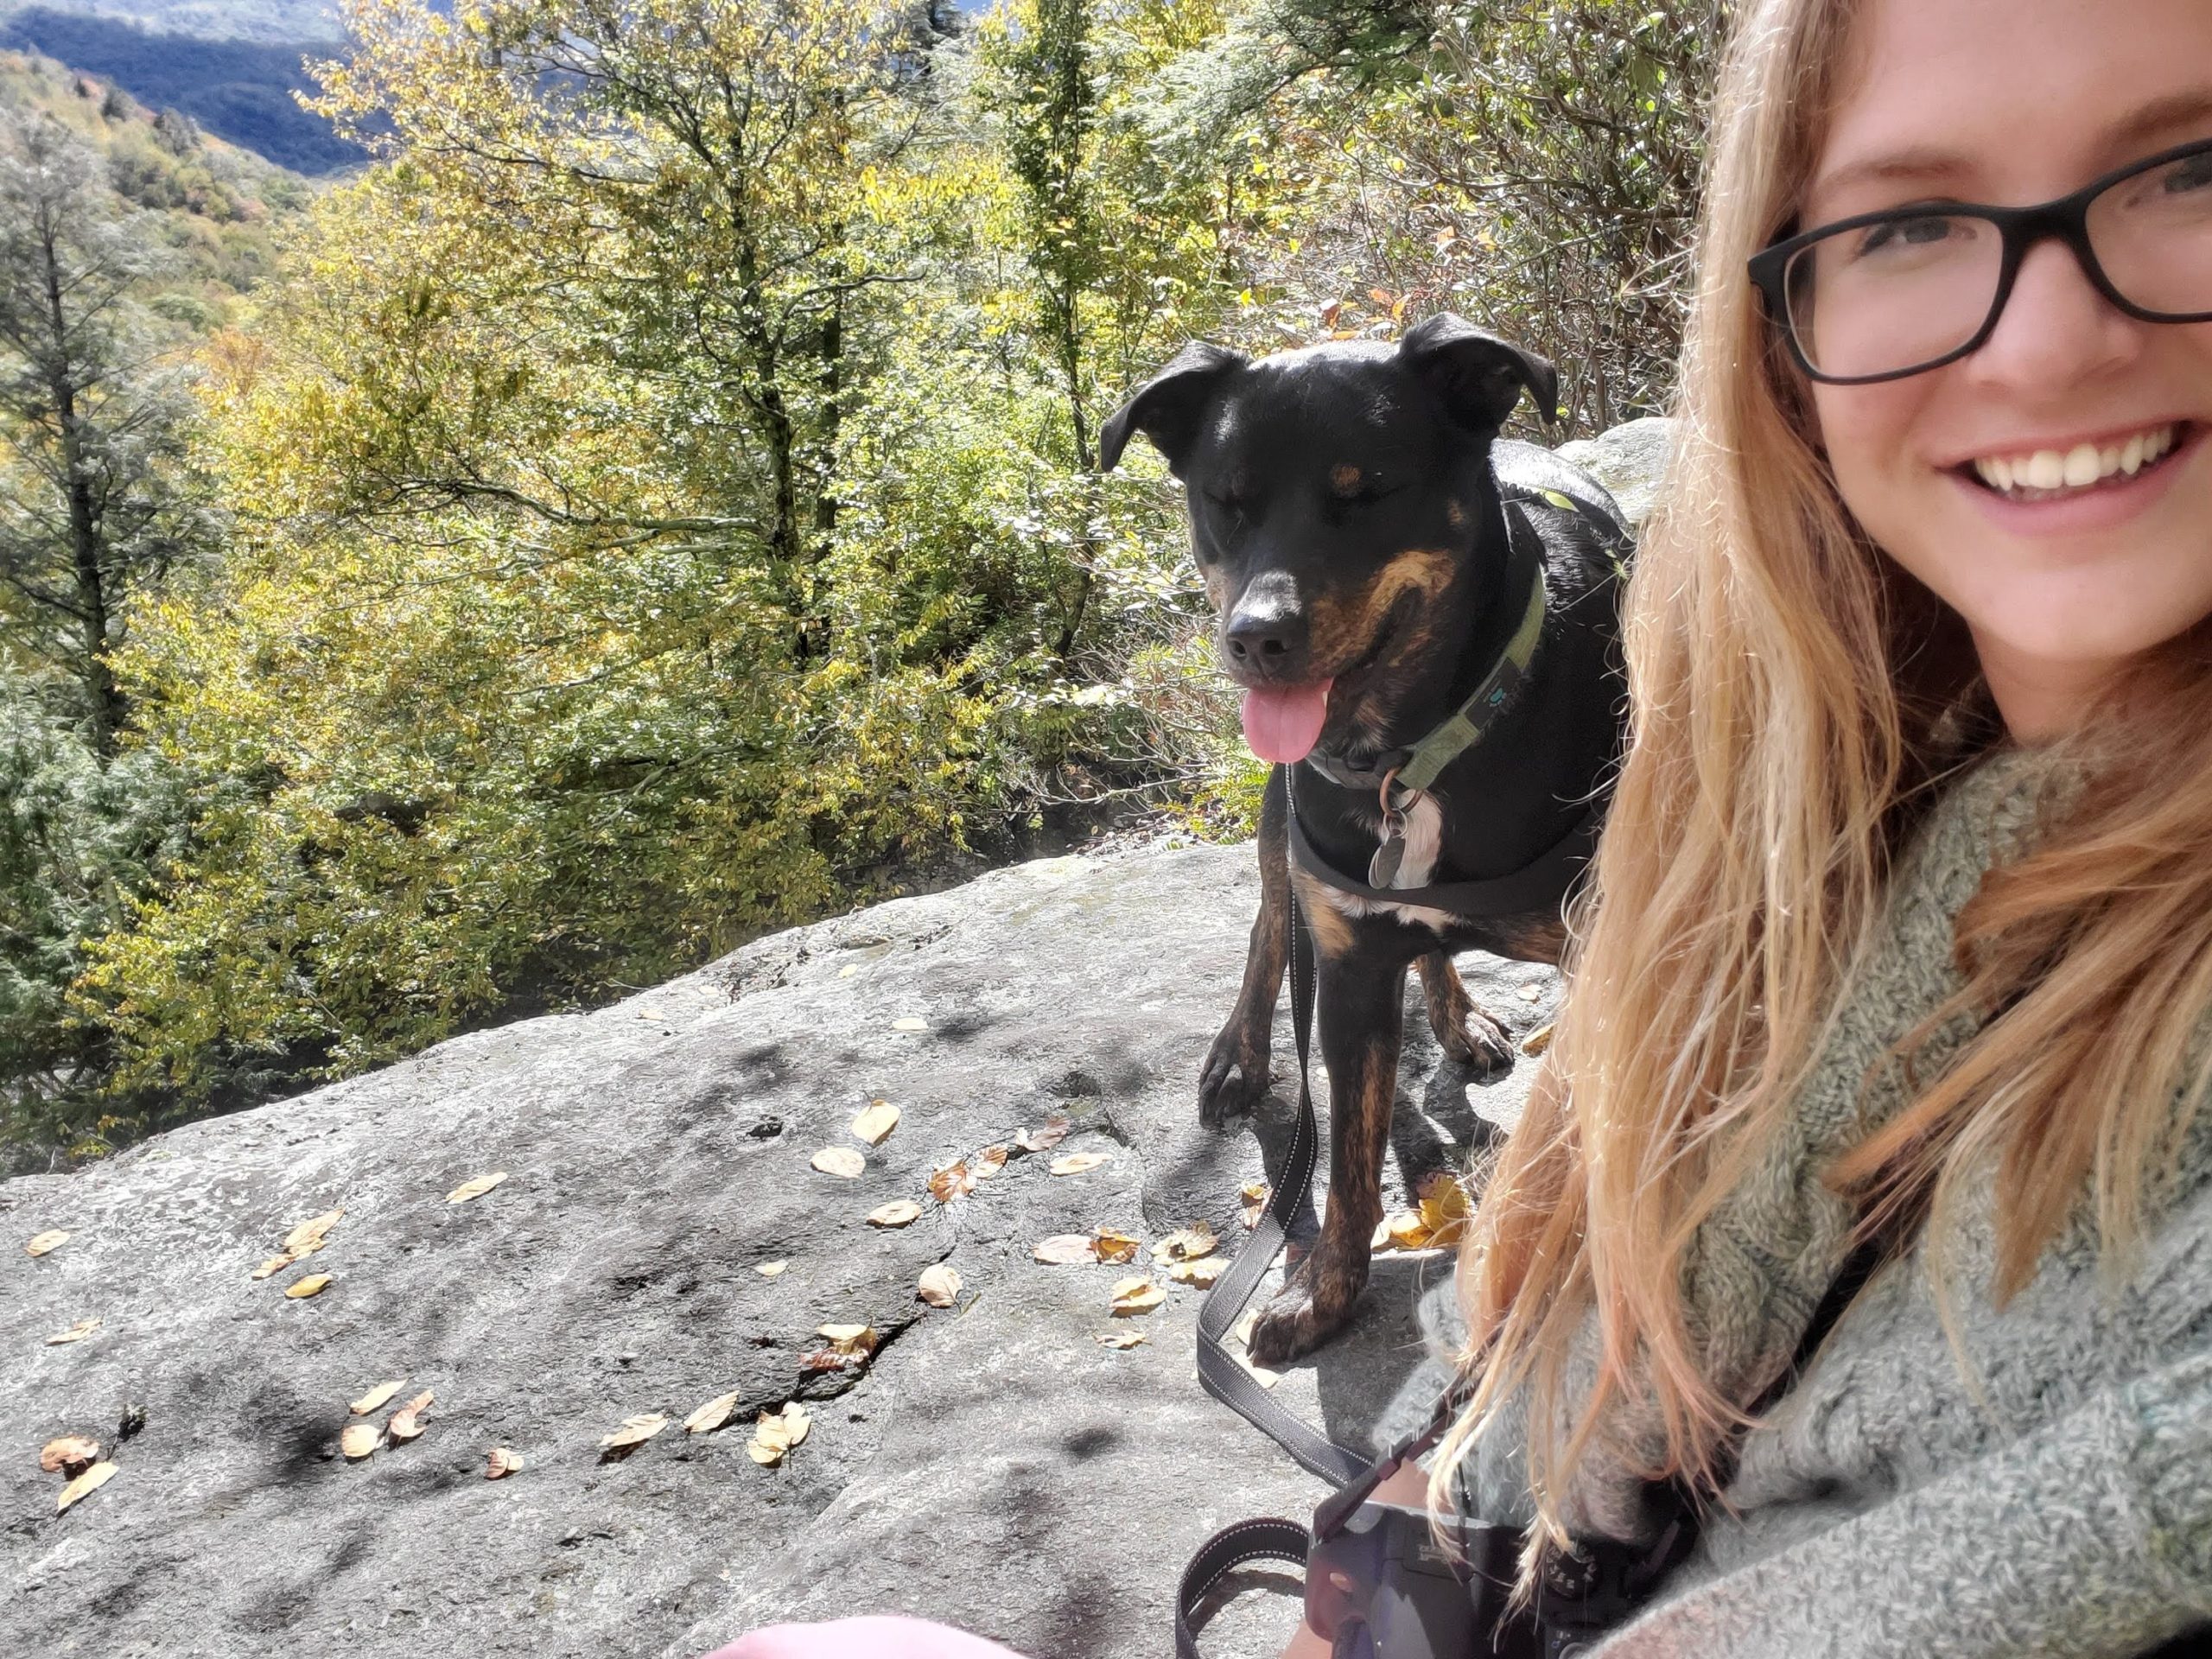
(1284, 722)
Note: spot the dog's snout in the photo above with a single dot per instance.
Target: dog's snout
(1268, 637)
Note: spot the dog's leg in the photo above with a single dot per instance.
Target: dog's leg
(1468, 1034)
(1236, 1072)
(1359, 1009)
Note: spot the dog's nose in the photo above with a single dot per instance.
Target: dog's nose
(1267, 637)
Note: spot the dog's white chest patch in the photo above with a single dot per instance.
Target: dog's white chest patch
(1424, 833)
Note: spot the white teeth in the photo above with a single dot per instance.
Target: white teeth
(2076, 469)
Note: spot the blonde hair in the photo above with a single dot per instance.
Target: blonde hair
(1793, 696)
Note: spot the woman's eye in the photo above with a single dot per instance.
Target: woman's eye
(2189, 175)
(1897, 233)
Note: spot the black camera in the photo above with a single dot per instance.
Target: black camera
(1380, 1585)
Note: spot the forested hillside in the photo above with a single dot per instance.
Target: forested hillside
(656, 500)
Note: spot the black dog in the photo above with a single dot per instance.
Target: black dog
(1380, 561)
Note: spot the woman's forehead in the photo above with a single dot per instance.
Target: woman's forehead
(2008, 100)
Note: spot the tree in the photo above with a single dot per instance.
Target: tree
(92, 512)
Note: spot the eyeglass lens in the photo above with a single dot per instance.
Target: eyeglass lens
(1876, 299)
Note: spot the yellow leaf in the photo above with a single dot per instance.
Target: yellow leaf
(1137, 1295)
(772, 1270)
(1186, 1244)
(876, 1122)
(1537, 1040)
(989, 1162)
(76, 1332)
(777, 1433)
(953, 1181)
(1255, 1194)
(477, 1188)
(357, 1440)
(310, 1285)
(900, 1212)
(1065, 1250)
(407, 1423)
(1120, 1338)
(842, 1161)
(910, 1022)
(1201, 1274)
(848, 1339)
(309, 1235)
(91, 1481)
(940, 1286)
(712, 1415)
(1109, 1244)
(1405, 1230)
(377, 1398)
(277, 1264)
(1444, 1209)
(45, 1242)
(1077, 1163)
(635, 1431)
(501, 1463)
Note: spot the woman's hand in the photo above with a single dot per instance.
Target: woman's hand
(880, 1637)
(1408, 1484)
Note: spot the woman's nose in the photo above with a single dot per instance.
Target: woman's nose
(2058, 329)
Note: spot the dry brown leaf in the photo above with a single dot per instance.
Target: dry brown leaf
(910, 1022)
(1055, 1131)
(772, 1270)
(359, 1440)
(407, 1423)
(1120, 1338)
(635, 1431)
(940, 1286)
(91, 1481)
(1255, 1194)
(1137, 1295)
(712, 1415)
(1186, 1244)
(501, 1463)
(1077, 1163)
(848, 1339)
(954, 1181)
(277, 1264)
(1537, 1040)
(477, 1188)
(777, 1433)
(842, 1161)
(827, 1359)
(309, 1235)
(70, 1452)
(377, 1398)
(1444, 1209)
(45, 1242)
(876, 1123)
(900, 1212)
(1110, 1244)
(1201, 1274)
(1065, 1249)
(76, 1332)
(311, 1285)
(989, 1162)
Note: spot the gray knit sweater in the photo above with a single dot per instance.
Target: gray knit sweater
(2053, 1498)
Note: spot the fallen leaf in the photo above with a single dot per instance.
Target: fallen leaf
(377, 1398)
(1243, 1328)
(1444, 1209)
(940, 1286)
(1137, 1295)
(900, 1212)
(407, 1423)
(989, 1162)
(1186, 1244)
(310, 1285)
(635, 1431)
(1055, 1131)
(849, 970)
(308, 1235)
(1201, 1274)
(848, 1339)
(46, 1241)
(91, 1481)
(650, 1014)
(826, 1359)
(1531, 992)
(777, 1433)
(953, 1181)
(1266, 1378)
(1065, 1249)
(1406, 1230)
(1077, 1163)
(501, 1463)
(910, 1022)
(277, 1264)
(876, 1122)
(477, 1188)
(712, 1415)
(358, 1440)
(70, 1452)
(772, 1270)
(840, 1161)
(1537, 1040)
(1120, 1338)
(1255, 1194)
(1109, 1244)
(76, 1332)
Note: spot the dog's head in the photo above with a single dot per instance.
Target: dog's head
(1340, 496)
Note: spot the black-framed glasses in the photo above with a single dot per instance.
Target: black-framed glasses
(1880, 295)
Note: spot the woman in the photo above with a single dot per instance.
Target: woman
(1901, 933)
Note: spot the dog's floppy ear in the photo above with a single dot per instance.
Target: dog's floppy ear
(1479, 376)
(1165, 409)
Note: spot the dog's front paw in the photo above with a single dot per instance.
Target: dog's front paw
(1232, 1080)
(1312, 1306)
(1478, 1043)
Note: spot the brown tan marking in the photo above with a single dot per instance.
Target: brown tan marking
(1345, 479)
(1332, 930)
(1342, 630)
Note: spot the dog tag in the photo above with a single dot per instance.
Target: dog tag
(1382, 868)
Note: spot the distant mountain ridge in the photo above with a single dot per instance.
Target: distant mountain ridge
(278, 22)
(240, 89)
